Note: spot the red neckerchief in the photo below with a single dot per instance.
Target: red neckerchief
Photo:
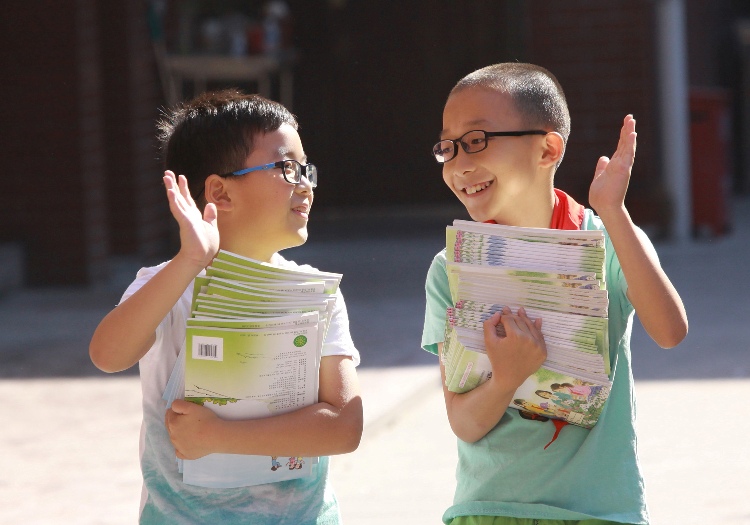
(567, 214)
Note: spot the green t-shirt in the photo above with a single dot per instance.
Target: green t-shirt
(583, 474)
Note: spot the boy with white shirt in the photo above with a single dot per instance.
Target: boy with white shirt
(242, 157)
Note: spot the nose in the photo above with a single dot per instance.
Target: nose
(461, 164)
(303, 186)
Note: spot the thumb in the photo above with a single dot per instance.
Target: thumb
(490, 325)
(180, 406)
(210, 214)
(601, 165)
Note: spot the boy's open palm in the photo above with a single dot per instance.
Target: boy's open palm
(612, 176)
(199, 234)
(518, 354)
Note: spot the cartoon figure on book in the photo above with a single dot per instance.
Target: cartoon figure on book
(237, 180)
(505, 129)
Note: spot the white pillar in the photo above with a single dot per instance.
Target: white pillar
(674, 113)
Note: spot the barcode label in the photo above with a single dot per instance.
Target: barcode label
(211, 348)
(207, 350)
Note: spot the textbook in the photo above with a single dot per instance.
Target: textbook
(252, 349)
(555, 275)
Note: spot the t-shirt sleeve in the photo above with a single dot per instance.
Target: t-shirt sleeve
(338, 340)
(438, 298)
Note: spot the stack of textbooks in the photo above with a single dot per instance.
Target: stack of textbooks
(252, 349)
(555, 275)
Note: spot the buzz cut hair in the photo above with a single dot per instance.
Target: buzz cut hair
(535, 92)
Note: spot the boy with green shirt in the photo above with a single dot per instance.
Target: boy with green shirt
(505, 128)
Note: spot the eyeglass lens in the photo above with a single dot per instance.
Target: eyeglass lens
(293, 172)
(471, 142)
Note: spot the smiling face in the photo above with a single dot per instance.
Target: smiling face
(259, 212)
(503, 181)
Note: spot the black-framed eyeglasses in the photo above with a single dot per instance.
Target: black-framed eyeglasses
(474, 141)
(291, 170)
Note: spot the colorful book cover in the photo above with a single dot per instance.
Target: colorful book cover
(554, 275)
(547, 392)
(250, 374)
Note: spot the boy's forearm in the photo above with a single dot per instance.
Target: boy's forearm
(127, 332)
(331, 426)
(316, 430)
(654, 298)
(474, 413)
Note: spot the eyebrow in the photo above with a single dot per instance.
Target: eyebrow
(285, 154)
(470, 123)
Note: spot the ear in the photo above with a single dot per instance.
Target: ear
(554, 147)
(216, 190)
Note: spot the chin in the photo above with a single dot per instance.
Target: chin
(478, 216)
(298, 238)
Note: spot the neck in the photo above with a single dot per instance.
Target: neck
(534, 210)
(248, 248)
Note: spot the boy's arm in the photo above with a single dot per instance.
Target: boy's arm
(513, 358)
(331, 426)
(654, 298)
(128, 331)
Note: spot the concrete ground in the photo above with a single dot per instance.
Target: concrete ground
(70, 433)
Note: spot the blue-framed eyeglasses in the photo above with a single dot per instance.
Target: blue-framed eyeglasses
(291, 170)
(473, 141)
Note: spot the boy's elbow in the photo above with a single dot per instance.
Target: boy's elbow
(468, 437)
(351, 425)
(100, 358)
(351, 440)
(97, 354)
(468, 433)
(353, 431)
(675, 336)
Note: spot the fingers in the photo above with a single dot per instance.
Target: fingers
(519, 323)
(626, 144)
(490, 326)
(185, 190)
(601, 166)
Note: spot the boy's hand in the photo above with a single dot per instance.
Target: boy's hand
(612, 176)
(199, 234)
(191, 429)
(520, 353)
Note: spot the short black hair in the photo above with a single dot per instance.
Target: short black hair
(536, 93)
(215, 133)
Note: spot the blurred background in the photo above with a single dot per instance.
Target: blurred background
(86, 80)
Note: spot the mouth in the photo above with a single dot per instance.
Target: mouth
(302, 210)
(477, 188)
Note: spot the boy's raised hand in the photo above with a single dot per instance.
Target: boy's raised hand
(612, 176)
(520, 352)
(199, 234)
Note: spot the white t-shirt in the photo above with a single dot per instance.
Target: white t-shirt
(165, 499)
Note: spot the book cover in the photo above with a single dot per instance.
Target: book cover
(555, 275)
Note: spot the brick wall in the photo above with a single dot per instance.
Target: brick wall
(603, 55)
(52, 151)
(79, 161)
(137, 218)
